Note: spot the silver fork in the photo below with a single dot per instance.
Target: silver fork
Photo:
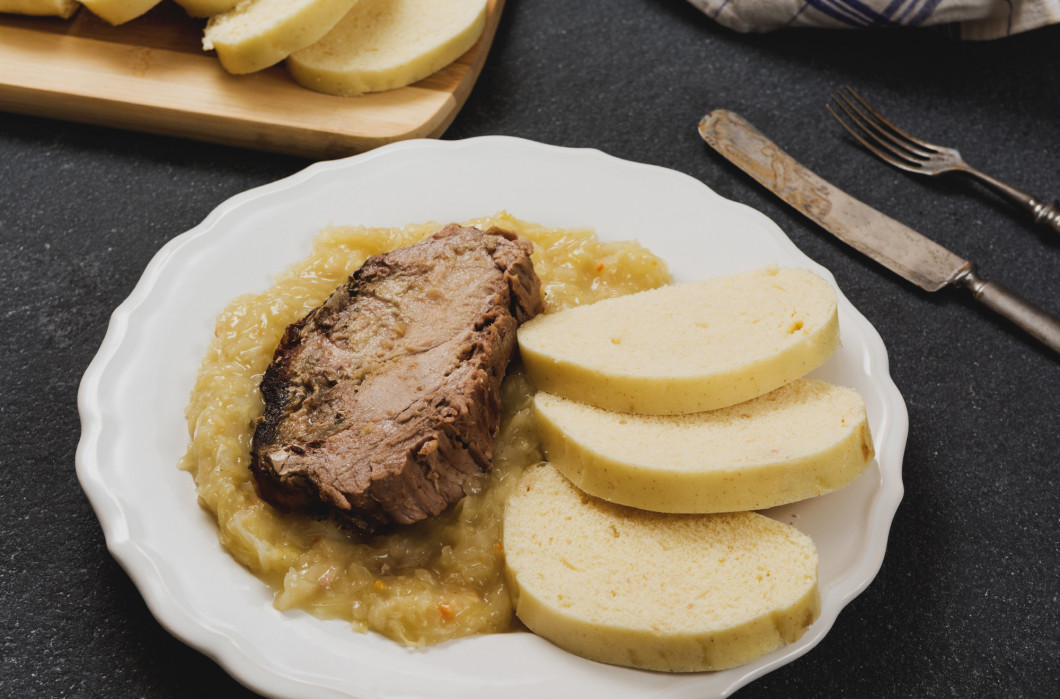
(900, 149)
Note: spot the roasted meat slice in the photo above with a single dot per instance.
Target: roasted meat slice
(381, 404)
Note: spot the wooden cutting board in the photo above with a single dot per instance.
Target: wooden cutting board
(152, 75)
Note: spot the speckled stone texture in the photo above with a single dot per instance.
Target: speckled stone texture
(966, 601)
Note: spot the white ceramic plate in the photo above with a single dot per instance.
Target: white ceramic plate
(133, 431)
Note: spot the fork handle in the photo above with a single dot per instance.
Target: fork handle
(1045, 212)
(1039, 324)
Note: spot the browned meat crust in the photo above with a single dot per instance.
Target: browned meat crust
(381, 404)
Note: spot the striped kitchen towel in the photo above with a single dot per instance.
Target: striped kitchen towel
(967, 19)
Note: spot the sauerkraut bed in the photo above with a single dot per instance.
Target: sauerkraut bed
(419, 585)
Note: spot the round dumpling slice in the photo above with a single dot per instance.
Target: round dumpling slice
(675, 593)
(386, 44)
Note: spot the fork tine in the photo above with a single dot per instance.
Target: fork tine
(906, 158)
(901, 146)
(930, 148)
(870, 145)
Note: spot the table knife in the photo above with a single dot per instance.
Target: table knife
(894, 245)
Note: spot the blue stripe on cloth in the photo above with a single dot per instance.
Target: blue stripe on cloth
(794, 16)
(896, 13)
(892, 9)
(851, 12)
(1008, 23)
(908, 11)
(923, 13)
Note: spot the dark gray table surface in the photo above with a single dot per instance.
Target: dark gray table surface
(966, 603)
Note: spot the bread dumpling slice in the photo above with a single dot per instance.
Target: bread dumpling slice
(206, 8)
(40, 8)
(804, 439)
(119, 11)
(687, 347)
(386, 44)
(676, 593)
(259, 33)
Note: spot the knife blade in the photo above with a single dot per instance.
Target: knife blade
(897, 247)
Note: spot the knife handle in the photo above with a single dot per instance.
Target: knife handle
(1025, 315)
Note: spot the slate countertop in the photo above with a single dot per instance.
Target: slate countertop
(966, 601)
